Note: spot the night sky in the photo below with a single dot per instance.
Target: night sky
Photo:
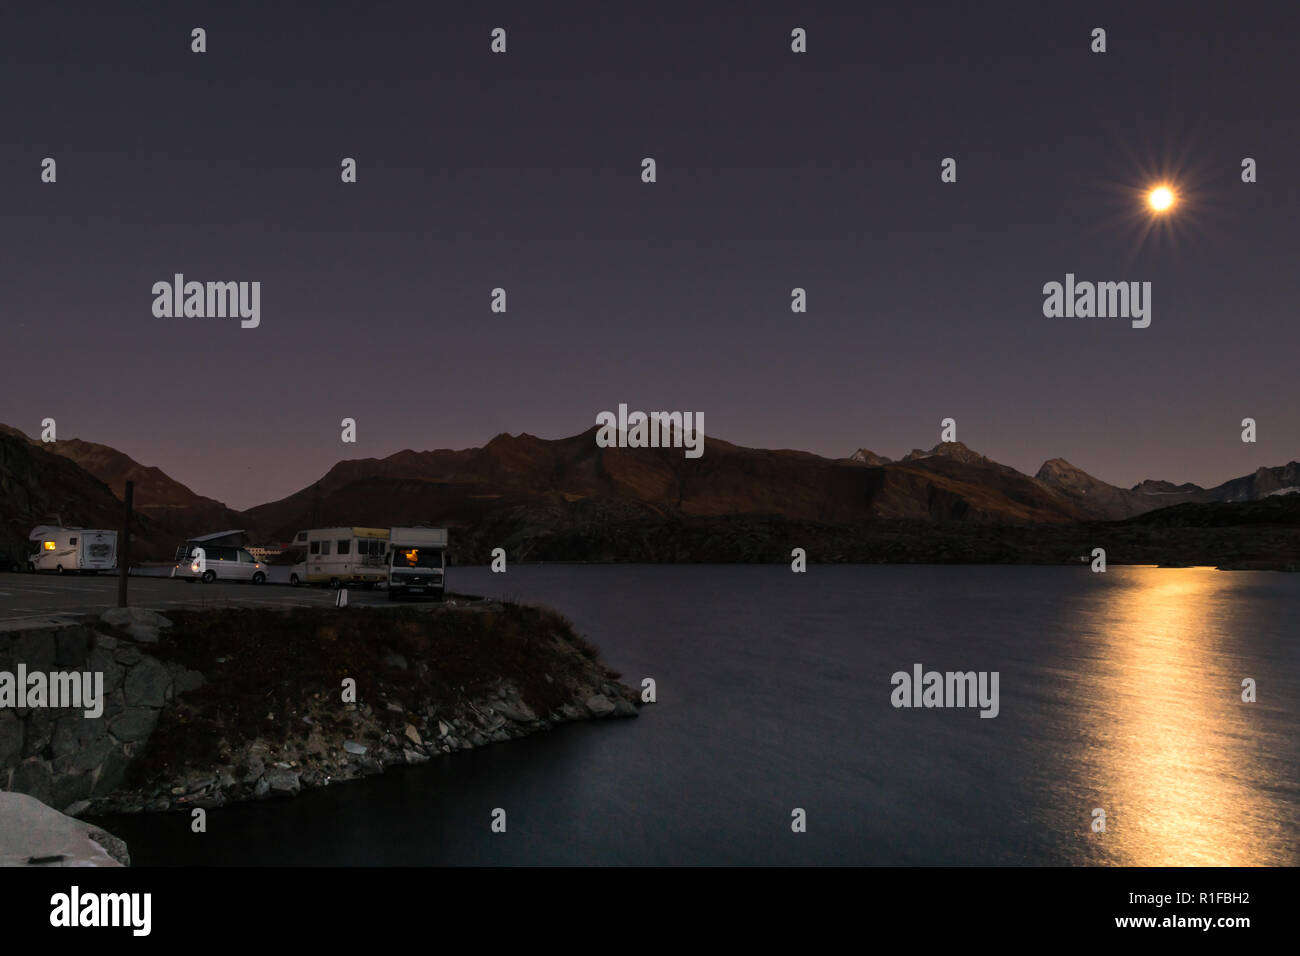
(775, 170)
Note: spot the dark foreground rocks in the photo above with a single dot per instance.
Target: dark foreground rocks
(300, 699)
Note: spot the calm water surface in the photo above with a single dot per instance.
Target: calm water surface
(1119, 690)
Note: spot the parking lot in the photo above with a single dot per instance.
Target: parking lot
(32, 600)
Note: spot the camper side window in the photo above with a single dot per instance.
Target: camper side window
(315, 547)
(72, 541)
(345, 546)
(325, 547)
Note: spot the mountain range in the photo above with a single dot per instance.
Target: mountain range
(526, 489)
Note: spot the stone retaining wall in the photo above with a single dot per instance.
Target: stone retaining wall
(59, 755)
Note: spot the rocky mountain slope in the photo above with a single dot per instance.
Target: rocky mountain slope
(157, 495)
(35, 483)
(459, 488)
(1109, 502)
(569, 499)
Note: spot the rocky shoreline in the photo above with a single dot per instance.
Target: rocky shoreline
(207, 708)
(427, 682)
(395, 737)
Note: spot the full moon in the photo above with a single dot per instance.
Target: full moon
(1160, 198)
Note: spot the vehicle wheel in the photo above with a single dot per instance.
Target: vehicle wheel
(31, 568)
(334, 583)
(58, 569)
(209, 577)
(293, 580)
(259, 578)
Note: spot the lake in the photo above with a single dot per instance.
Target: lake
(1119, 691)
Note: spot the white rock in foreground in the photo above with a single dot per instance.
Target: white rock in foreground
(28, 828)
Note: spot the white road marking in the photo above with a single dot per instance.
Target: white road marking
(76, 587)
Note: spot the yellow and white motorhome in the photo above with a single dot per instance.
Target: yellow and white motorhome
(343, 556)
(60, 549)
(417, 562)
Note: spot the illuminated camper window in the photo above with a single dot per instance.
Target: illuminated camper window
(48, 545)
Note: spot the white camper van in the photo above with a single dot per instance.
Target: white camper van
(416, 561)
(342, 556)
(60, 549)
(214, 562)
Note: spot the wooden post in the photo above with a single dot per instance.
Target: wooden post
(124, 547)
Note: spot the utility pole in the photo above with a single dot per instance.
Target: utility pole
(124, 548)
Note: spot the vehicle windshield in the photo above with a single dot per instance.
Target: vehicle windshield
(417, 557)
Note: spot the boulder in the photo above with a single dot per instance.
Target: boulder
(135, 723)
(147, 683)
(283, 783)
(517, 711)
(256, 767)
(128, 654)
(91, 755)
(111, 772)
(599, 705)
(29, 829)
(103, 660)
(141, 623)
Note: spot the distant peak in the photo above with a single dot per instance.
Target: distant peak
(868, 457)
(1057, 466)
(1155, 487)
(958, 451)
